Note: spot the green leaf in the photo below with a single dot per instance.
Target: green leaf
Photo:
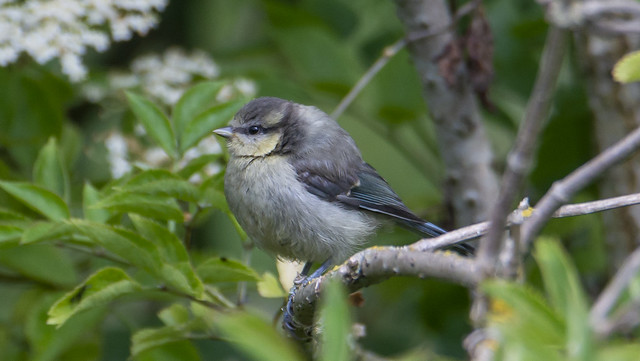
(336, 322)
(567, 296)
(619, 352)
(46, 231)
(174, 315)
(41, 262)
(176, 270)
(11, 215)
(152, 206)
(627, 69)
(155, 122)
(270, 287)
(170, 247)
(48, 343)
(174, 351)
(124, 243)
(50, 172)
(148, 176)
(216, 270)
(175, 188)
(202, 125)
(196, 164)
(10, 233)
(150, 338)
(99, 289)
(193, 102)
(90, 197)
(524, 315)
(39, 199)
(256, 338)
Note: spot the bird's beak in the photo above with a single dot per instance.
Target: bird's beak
(225, 132)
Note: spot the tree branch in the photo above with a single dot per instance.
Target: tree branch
(520, 159)
(470, 182)
(377, 264)
(374, 265)
(562, 191)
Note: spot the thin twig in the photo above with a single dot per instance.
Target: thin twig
(390, 51)
(611, 294)
(562, 191)
(520, 158)
(518, 217)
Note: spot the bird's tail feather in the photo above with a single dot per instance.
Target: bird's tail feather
(431, 230)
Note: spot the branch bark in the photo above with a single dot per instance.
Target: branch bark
(377, 264)
(470, 182)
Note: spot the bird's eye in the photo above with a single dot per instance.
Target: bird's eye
(253, 130)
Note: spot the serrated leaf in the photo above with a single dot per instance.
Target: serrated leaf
(256, 338)
(270, 287)
(216, 270)
(90, 197)
(155, 122)
(39, 199)
(336, 322)
(176, 270)
(99, 289)
(566, 294)
(170, 247)
(203, 124)
(50, 172)
(627, 69)
(152, 206)
(124, 243)
(193, 102)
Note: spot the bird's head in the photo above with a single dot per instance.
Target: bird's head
(263, 127)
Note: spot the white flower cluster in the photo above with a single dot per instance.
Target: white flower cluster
(65, 29)
(166, 77)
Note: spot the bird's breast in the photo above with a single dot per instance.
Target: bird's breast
(282, 217)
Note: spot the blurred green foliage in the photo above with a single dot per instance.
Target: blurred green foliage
(95, 268)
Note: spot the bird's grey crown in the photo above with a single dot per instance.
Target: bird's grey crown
(256, 109)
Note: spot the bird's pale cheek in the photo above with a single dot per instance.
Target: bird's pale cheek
(253, 147)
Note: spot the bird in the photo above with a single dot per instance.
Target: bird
(297, 184)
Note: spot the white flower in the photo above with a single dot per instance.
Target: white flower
(166, 77)
(117, 152)
(65, 29)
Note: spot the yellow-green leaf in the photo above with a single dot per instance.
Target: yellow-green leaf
(100, 288)
(627, 69)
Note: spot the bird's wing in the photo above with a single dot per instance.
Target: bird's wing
(360, 187)
(374, 194)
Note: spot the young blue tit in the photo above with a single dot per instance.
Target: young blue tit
(298, 186)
